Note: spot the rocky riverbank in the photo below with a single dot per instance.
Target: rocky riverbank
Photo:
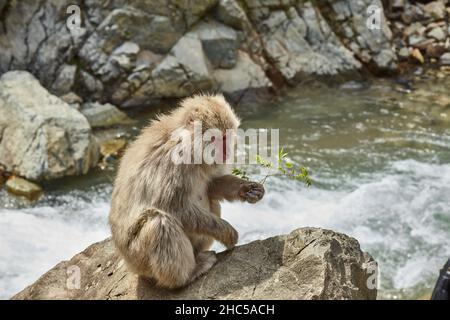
(421, 32)
(308, 263)
(133, 53)
(136, 53)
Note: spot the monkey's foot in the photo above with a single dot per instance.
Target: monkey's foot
(205, 260)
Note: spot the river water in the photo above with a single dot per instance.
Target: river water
(379, 159)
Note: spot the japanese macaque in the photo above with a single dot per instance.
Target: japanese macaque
(165, 215)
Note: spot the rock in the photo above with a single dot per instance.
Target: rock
(112, 58)
(125, 55)
(188, 52)
(64, 80)
(36, 35)
(125, 24)
(245, 75)
(445, 59)
(440, 75)
(219, 43)
(414, 28)
(435, 24)
(72, 98)
(437, 33)
(434, 51)
(442, 100)
(90, 84)
(416, 54)
(232, 14)
(24, 188)
(411, 13)
(127, 48)
(404, 52)
(398, 4)
(2, 176)
(122, 25)
(112, 148)
(103, 115)
(425, 44)
(384, 59)
(42, 136)
(300, 42)
(416, 39)
(181, 73)
(308, 263)
(373, 46)
(435, 10)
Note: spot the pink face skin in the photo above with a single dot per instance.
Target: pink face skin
(223, 146)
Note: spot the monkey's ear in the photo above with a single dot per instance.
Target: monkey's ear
(190, 120)
(191, 117)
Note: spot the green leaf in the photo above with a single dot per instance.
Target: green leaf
(259, 159)
(284, 167)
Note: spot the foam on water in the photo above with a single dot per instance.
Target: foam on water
(33, 240)
(399, 215)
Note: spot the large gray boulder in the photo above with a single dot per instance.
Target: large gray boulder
(298, 40)
(232, 14)
(131, 53)
(34, 37)
(104, 115)
(246, 75)
(183, 71)
(41, 136)
(308, 263)
(372, 45)
(219, 42)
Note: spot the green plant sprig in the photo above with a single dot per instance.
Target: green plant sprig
(284, 168)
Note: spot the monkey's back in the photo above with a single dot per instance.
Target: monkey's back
(148, 178)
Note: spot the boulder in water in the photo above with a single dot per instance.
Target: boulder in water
(41, 136)
(22, 187)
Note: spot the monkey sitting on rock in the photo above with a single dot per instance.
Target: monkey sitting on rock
(165, 216)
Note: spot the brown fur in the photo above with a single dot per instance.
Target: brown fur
(165, 216)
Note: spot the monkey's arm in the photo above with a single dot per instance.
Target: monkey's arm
(230, 187)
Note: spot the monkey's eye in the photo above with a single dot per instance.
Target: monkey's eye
(213, 139)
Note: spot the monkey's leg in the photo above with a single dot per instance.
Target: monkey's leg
(205, 261)
(159, 249)
(202, 242)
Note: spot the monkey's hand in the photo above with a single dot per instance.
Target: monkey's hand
(251, 192)
(229, 236)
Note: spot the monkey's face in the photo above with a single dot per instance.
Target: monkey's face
(223, 144)
(223, 123)
(214, 118)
